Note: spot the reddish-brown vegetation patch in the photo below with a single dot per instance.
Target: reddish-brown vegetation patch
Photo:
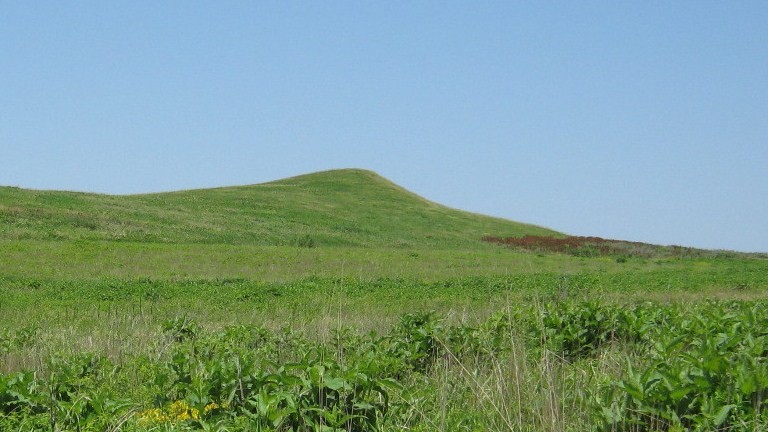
(589, 246)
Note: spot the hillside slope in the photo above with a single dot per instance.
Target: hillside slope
(347, 207)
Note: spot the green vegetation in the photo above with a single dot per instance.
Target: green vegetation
(253, 308)
(332, 208)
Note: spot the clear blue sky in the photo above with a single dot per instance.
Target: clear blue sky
(641, 120)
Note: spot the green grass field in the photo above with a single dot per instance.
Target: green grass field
(332, 208)
(338, 301)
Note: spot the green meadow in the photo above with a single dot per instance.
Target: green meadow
(338, 301)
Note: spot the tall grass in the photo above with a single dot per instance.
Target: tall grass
(542, 365)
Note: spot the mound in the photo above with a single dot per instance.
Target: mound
(348, 207)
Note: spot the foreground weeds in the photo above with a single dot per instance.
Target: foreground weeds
(542, 366)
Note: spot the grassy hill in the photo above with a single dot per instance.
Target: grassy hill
(347, 207)
(180, 311)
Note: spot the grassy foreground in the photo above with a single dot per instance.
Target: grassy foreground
(661, 345)
(195, 320)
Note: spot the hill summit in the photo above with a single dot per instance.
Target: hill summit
(346, 207)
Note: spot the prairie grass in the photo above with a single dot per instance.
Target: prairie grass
(333, 208)
(486, 366)
(340, 302)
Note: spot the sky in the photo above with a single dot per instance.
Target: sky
(635, 120)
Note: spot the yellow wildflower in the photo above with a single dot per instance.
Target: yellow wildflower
(176, 411)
